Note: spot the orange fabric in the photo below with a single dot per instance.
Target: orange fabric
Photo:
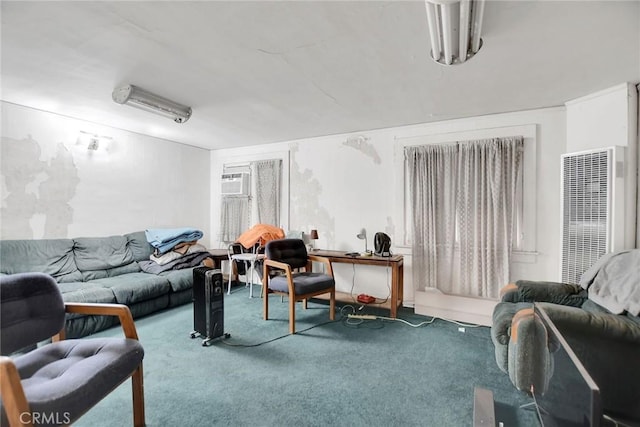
(260, 233)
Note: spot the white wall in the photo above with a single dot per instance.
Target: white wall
(54, 187)
(342, 183)
(609, 118)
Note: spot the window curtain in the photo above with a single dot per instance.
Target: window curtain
(268, 177)
(233, 217)
(464, 200)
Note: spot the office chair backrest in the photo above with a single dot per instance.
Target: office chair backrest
(289, 251)
(31, 310)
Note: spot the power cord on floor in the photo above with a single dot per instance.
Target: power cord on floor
(278, 338)
(363, 317)
(350, 318)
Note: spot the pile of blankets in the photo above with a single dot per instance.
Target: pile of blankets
(175, 249)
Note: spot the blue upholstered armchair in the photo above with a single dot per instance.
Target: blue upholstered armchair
(599, 318)
(283, 258)
(55, 383)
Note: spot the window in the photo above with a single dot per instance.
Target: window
(480, 210)
(255, 196)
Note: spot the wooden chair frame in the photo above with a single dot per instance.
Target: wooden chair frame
(13, 397)
(293, 297)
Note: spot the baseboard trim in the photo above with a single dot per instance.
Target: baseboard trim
(431, 302)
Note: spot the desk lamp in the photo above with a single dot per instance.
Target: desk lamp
(313, 236)
(363, 235)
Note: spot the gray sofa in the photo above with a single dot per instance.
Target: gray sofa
(101, 270)
(607, 343)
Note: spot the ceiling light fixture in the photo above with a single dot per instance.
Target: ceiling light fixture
(454, 29)
(140, 98)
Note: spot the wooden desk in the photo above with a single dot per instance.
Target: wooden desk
(396, 262)
(218, 256)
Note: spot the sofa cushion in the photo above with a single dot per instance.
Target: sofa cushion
(112, 272)
(139, 246)
(179, 280)
(85, 292)
(135, 287)
(102, 257)
(50, 256)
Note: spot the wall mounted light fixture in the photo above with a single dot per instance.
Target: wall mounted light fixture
(140, 98)
(454, 29)
(92, 141)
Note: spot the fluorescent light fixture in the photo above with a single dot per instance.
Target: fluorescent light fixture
(140, 98)
(454, 29)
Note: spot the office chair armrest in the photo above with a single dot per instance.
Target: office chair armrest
(120, 310)
(13, 398)
(269, 263)
(325, 261)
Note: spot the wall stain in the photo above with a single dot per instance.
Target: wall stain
(305, 206)
(36, 187)
(361, 144)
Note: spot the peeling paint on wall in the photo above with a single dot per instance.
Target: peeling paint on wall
(33, 187)
(361, 144)
(306, 210)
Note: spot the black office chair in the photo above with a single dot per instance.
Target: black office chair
(56, 383)
(286, 256)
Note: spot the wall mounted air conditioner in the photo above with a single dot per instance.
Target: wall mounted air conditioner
(235, 184)
(593, 221)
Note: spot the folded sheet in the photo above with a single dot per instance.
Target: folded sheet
(164, 239)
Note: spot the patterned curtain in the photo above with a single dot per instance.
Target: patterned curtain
(234, 218)
(268, 177)
(464, 201)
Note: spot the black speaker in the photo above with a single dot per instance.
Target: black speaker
(382, 244)
(208, 304)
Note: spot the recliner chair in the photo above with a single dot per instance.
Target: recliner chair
(607, 344)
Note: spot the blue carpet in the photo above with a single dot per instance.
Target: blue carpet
(376, 373)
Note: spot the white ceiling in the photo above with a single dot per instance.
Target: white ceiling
(268, 71)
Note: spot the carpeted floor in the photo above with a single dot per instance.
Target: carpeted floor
(376, 373)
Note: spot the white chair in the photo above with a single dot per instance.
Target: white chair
(236, 254)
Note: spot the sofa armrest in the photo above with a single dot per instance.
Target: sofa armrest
(585, 327)
(119, 310)
(535, 291)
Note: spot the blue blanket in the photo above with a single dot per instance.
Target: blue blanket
(164, 239)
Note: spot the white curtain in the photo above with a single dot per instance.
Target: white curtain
(268, 177)
(464, 202)
(233, 217)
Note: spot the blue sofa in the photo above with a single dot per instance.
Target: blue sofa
(100, 270)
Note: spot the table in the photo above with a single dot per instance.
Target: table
(218, 256)
(247, 258)
(396, 262)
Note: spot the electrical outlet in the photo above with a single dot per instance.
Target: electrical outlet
(461, 329)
